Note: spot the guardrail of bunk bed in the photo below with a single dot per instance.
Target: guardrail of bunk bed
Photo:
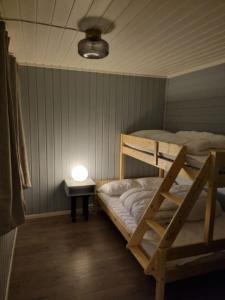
(149, 151)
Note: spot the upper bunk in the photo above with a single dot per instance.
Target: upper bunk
(160, 148)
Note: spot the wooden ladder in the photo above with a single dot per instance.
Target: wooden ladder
(168, 234)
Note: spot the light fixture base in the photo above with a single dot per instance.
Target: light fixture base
(93, 47)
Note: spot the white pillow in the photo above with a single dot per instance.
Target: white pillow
(198, 211)
(118, 187)
(150, 183)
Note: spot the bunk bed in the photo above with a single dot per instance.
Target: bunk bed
(166, 259)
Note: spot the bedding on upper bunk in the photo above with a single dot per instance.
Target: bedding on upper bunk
(197, 143)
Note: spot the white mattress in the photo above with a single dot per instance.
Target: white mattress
(191, 233)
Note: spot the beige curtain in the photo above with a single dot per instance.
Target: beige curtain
(14, 172)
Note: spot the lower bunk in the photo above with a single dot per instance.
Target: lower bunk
(125, 202)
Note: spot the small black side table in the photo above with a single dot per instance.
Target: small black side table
(76, 189)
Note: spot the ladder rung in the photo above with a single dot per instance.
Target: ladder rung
(156, 227)
(173, 198)
(140, 255)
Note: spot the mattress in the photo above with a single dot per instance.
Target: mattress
(191, 233)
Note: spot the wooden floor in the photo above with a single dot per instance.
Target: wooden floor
(59, 260)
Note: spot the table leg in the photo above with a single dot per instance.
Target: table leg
(73, 208)
(85, 207)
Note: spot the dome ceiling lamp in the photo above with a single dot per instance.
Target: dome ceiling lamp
(93, 46)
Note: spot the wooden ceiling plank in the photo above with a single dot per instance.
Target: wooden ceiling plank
(163, 42)
(79, 10)
(29, 32)
(186, 39)
(135, 32)
(45, 10)
(149, 42)
(164, 36)
(55, 37)
(206, 62)
(131, 12)
(62, 12)
(10, 8)
(42, 41)
(65, 44)
(197, 68)
(215, 51)
(115, 9)
(200, 43)
(217, 41)
(28, 9)
(141, 24)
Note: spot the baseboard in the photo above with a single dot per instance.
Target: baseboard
(48, 214)
(54, 213)
(10, 266)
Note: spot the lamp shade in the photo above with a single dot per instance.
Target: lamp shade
(79, 173)
(93, 47)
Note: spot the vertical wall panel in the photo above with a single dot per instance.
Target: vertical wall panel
(49, 138)
(34, 204)
(76, 117)
(196, 101)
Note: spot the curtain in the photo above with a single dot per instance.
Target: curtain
(14, 171)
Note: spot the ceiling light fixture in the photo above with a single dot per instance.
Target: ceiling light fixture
(93, 47)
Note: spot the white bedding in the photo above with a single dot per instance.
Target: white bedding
(198, 143)
(191, 233)
(136, 200)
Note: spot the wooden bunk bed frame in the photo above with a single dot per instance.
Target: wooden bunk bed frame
(211, 174)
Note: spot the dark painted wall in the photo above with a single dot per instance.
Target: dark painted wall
(76, 117)
(196, 101)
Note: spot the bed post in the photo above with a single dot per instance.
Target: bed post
(160, 274)
(211, 201)
(122, 158)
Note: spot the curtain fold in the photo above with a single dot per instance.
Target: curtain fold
(14, 171)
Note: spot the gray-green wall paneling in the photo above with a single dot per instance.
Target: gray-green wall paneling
(75, 117)
(196, 101)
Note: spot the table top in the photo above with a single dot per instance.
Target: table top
(73, 183)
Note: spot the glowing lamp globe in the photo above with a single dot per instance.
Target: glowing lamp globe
(79, 173)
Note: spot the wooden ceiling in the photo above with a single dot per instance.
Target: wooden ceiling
(151, 37)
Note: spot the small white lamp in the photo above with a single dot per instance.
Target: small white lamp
(79, 173)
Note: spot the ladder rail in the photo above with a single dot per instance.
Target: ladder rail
(158, 198)
(189, 201)
(183, 211)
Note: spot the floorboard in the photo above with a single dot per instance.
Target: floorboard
(59, 260)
